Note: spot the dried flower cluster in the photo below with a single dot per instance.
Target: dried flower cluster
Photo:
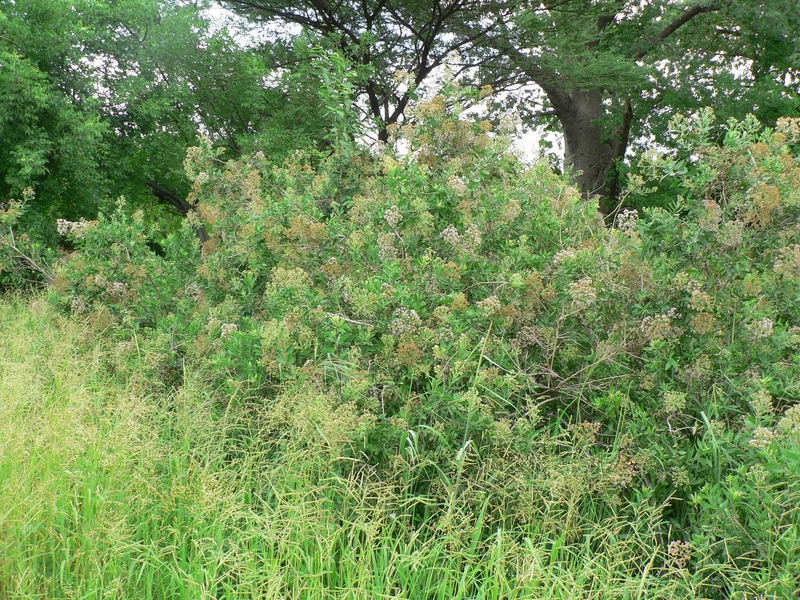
(405, 321)
(680, 553)
(75, 229)
(761, 329)
(583, 293)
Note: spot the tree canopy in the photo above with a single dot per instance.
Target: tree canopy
(133, 83)
(606, 71)
(102, 98)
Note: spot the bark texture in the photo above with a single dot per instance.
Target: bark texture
(591, 151)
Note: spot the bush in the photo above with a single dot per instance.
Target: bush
(452, 320)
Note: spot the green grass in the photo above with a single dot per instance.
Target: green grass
(108, 493)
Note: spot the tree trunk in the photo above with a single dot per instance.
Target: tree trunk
(590, 153)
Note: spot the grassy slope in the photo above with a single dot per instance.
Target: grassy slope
(109, 494)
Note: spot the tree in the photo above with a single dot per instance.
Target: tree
(593, 61)
(603, 65)
(53, 136)
(101, 98)
(178, 76)
(395, 45)
(607, 66)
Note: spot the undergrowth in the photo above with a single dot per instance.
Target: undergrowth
(108, 493)
(432, 374)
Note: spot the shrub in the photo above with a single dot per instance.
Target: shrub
(446, 313)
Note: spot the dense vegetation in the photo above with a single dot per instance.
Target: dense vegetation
(423, 369)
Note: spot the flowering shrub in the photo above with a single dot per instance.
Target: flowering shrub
(451, 311)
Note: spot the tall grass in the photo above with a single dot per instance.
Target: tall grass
(106, 493)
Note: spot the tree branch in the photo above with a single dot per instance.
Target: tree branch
(687, 16)
(184, 208)
(290, 17)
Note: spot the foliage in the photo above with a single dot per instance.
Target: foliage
(101, 99)
(463, 327)
(110, 493)
(48, 107)
(178, 76)
(605, 74)
(392, 47)
(24, 260)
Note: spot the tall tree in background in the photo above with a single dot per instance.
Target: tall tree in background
(604, 66)
(614, 70)
(53, 135)
(387, 38)
(101, 98)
